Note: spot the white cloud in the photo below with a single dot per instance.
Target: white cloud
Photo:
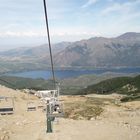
(112, 8)
(121, 7)
(89, 2)
(21, 34)
(57, 35)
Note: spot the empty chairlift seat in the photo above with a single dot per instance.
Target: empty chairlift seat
(41, 105)
(31, 106)
(6, 105)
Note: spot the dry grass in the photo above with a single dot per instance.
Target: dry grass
(83, 109)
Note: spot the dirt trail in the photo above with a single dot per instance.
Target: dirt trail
(117, 122)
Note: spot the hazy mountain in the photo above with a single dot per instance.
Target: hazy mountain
(39, 51)
(102, 52)
(129, 35)
(122, 51)
(27, 58)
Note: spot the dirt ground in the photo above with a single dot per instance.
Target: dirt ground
(117, 122)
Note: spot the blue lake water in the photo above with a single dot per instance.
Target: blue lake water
(72, 73)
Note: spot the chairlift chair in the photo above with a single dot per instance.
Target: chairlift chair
(6, 105)
(31, 106)
(41, 105)
(56, 109)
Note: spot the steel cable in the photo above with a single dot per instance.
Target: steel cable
(49, 42)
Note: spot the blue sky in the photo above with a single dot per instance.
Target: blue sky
(22, 21)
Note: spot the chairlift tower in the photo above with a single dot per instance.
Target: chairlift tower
(54, 107)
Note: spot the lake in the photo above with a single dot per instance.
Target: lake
(46, 74)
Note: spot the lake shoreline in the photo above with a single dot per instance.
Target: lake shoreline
(46, 74)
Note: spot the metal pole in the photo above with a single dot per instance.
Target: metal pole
(13, 103)
(58, 88)
(49, 120)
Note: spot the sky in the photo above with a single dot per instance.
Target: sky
(22, 22)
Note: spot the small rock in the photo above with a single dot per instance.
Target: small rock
(126, 123)
(19, 123)
(80, 118)
(92, 119)
(98, 118)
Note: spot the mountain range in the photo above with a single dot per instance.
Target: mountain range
(121, 51)
(102, 52)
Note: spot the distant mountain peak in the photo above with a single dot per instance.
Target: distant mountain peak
(129, 35)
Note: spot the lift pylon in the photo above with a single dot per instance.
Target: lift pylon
(54, 109)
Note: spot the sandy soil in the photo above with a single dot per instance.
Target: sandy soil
(118, 122)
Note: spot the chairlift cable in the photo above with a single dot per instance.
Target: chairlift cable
(49, 42)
